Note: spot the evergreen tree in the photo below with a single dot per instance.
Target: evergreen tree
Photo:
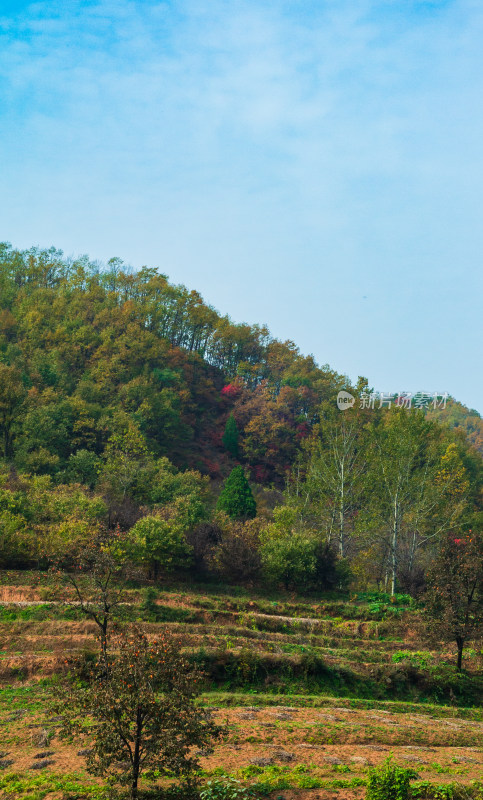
(236, 498)
(230, 436)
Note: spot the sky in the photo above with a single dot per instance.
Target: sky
(314, 165)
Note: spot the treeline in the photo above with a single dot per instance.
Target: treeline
(125, 400)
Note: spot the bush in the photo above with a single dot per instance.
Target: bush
(203, 540)
(389, 782)
(236, 557)
(159, 543)
(228, 789)
(290, 559)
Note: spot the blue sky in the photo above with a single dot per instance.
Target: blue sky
(316, 166)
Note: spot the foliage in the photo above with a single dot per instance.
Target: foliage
(38, 787)
(290, 559)
(454, 600)
(227, 789)
(140, 718)
(159, 542)
(236, 556)
(231, 436)
(236, 498)
(389, 782)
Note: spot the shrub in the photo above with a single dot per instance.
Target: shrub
(290, 559)
(160, 543)
(389, 782)
(203, 540)
(228, 789)
(236, 557)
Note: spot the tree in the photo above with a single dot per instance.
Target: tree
(401, 477)
(141, 717)
(125, 459)
(83, 467)
(161, 543)
(12, 395)
(230, 436)
(454, 599)
(290, 559)
(331, 490)
(236, 498)
(236, 557)
(96, 579)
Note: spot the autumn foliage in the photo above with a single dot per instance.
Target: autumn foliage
(141, 716)
(454, 600)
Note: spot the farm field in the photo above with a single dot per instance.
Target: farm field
(313, 692)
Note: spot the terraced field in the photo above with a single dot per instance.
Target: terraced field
(313, 693)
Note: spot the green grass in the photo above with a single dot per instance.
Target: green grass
(37, 787)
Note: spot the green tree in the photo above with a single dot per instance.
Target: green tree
(161, 543)
(329, 494)
(236, 498)
(400, 481)
(83, 467)
(230, 436)
(12, 395)
(125, 460)
(141, 715)
(290, 559)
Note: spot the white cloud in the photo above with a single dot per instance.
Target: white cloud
(310, 150)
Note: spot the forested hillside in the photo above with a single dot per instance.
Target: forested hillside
(84, 350)
(125, 401)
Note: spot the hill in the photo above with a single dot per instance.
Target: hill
(125, 400)
(298, 587)
(80, 347)
(461, 418)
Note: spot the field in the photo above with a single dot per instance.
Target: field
(314, 691)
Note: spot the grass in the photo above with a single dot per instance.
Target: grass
(338, 662)
(38, 787)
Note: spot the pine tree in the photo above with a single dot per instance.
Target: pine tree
(230, 436)
(236, 498)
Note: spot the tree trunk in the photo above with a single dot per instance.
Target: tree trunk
(341, 514)
(394, 544)
(104, 641)
(136, 762)
(460, 643)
